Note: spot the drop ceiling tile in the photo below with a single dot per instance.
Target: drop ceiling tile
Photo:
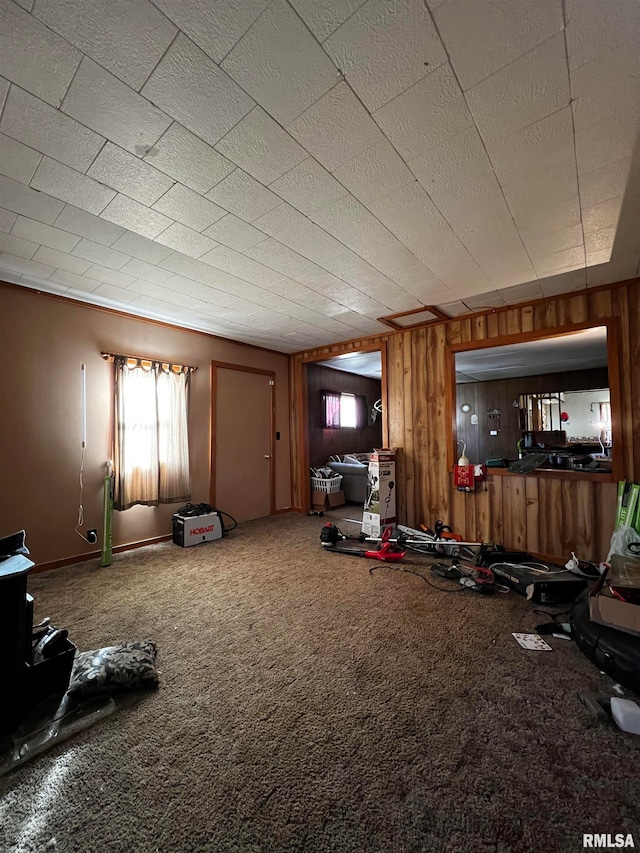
(459, 159)
(102, 255)
(70, 186)
(26, 4)
(601, 257)
(492, 299)
(430, 112)
(323, 17)
(598, 241)
(522, 292)
(280, 64)
(129, 175)
(17, 246)
(61, 260)
(189, 160)
(17, 161)
(141, 269)
(4, 89)
(23, 37)
(7, 218)
(567, 259)
(243, 195)
(182, 265)
(537, 192)
(136, 217)
(77, 282)
(241, 266)
(261, 147)
(604, 183)
(486, 35)
(543, 242)
(308, 186)
(374, 173)
(46, 235)
(529, 89)
(49, 131)
(410, 214)
(358, 228)
(595, 30)
(116, 294)
(613, 138)
(603, 215)
(540, 145)
(607, 273)
(22, 266)
(284, 260)
(234, 233)
(336, 128)
(384, 48)
(290, 227)
(20, 199)
(214, 30)
(185, 240)
(105, 104)
(607, 85)
(104, 274)
(565, 282)
(186, 206)
(86, 225)
(190, 87)
(126, 38)
(141, 248)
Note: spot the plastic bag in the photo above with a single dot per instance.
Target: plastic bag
(621, 538)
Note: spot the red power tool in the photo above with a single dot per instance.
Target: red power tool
(387, 551)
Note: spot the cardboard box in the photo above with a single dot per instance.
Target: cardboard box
(380, 505)
(323, 500)
(606, 609)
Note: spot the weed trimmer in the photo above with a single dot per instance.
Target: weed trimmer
(387, 550)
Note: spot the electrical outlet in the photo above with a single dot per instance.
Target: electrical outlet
(92, 536)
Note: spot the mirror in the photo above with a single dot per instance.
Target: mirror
(549, 396)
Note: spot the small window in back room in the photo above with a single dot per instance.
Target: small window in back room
(341, 410)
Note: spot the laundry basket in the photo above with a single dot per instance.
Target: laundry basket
(331, 485)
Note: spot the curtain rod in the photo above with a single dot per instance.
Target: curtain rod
(111, 356)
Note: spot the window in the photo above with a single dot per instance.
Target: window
(342, 410)
(151, 448)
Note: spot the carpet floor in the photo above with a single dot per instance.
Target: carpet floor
(308, 705)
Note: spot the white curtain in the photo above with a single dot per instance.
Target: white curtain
(151, 448)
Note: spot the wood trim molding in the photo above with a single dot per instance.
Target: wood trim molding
(95, 555)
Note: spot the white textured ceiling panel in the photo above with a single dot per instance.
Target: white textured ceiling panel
(336, 128)
(286, 172)
(426, 114)
(484, 36)
(386, 47)
(280, 64)
(103, 103)
(261, 147)
(127, 174)
(190, 87)
(213, 26)
(127, 38)
(23, 37)
(529, 89)
(45, 129)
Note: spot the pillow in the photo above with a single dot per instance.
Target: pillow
(114, 668)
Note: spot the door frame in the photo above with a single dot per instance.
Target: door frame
(303, 411)
(213, 420)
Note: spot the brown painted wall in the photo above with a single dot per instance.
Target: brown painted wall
(43, 342)
(331, 442)
(500, 394)
(546, 514)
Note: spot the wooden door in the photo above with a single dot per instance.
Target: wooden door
(242, 455)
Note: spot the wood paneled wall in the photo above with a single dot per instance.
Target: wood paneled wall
(500, 394)
(324, 443)
(547, 514)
